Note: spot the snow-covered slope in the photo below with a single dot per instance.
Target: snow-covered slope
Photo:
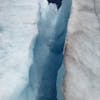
(17, 29)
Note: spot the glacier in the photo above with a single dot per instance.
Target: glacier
(20, 27)
(82, 54)
(48, 49)
(32, 36)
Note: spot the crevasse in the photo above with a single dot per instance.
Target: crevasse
(48, 51)
(18, 25)
(41, 80)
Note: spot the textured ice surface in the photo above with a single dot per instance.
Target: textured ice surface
(82, 55)
(17, 30)
(29, 72)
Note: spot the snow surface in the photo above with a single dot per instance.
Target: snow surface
(18, 20)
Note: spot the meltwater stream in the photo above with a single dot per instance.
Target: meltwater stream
(45, 73)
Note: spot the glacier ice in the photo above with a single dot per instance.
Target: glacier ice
(48, 49)
(33, 79)
(82, 55)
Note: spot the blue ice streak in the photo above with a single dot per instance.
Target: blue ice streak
(48, 51)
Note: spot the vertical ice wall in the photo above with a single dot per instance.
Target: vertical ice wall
(48, 50)
(82, 57)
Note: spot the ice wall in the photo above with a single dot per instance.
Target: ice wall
(48, 50)
(18, 20)
(82, 56)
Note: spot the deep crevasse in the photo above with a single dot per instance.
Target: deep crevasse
(48, 50)
(16, 25)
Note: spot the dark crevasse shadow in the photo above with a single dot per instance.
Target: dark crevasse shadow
(57, 2)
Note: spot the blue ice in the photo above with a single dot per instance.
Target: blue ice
(48, 51)
(42, 80)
